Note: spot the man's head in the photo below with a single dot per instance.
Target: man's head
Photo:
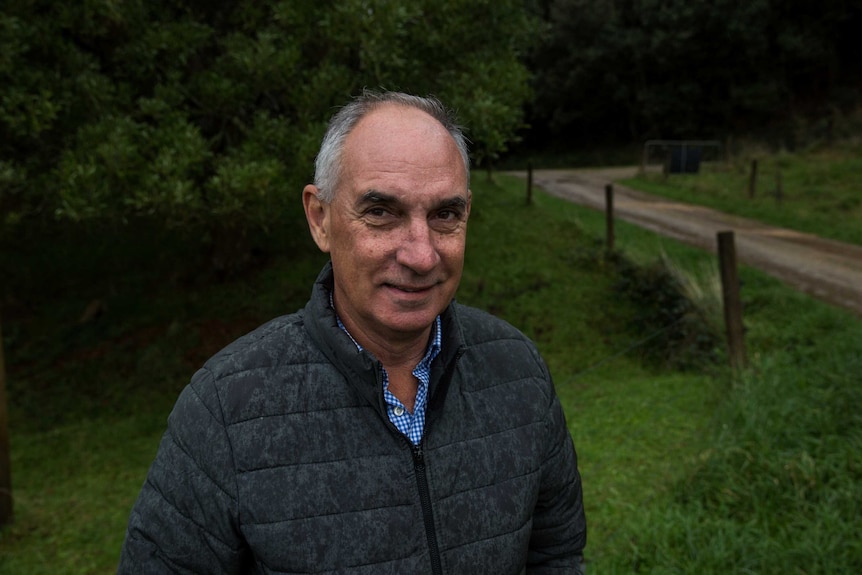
(390, 205)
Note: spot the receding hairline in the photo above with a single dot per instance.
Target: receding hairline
(380, 111)
(345, 120)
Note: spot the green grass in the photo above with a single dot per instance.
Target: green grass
(820, 189)
(666, 456)
(778, 490)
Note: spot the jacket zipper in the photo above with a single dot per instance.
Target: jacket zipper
(422, 477)
(427, 511)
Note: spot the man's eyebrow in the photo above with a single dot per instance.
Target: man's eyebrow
(458, 202)
(376, 197)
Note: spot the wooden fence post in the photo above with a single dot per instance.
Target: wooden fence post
(529, 183)
(752, 180)
(732, 300)
(6, 514)
(609, 216)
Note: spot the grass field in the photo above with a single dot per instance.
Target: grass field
(684, 471)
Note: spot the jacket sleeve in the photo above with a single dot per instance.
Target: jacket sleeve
(559, 524)
(185, 518)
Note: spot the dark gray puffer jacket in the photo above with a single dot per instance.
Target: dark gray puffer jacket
(279, 458)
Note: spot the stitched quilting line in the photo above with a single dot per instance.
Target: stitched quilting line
(436, 447)
(487, 485)
(497, 536)
(349, 458)
(338, 513)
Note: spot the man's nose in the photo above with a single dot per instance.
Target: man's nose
(418, 250)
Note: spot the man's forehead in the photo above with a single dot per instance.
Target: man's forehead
(391, 124)
(396, 149)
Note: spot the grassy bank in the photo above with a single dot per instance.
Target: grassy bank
(654, 443)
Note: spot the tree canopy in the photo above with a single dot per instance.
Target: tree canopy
(194, 112)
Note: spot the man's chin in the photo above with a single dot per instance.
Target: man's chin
(410, 323)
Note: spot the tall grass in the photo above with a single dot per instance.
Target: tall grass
(774, 486)
(778, 490)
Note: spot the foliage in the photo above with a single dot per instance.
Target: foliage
(210, 114)
(774, 486)
(624, 70)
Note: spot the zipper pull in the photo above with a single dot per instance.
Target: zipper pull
(418, 458)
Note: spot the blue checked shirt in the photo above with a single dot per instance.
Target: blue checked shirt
(410, 424)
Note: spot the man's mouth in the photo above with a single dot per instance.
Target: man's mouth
(410, 289)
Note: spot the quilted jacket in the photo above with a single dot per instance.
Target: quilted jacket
(279, 458)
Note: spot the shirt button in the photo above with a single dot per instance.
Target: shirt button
(398, 411)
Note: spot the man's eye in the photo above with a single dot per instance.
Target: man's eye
(446, 220)
(378, 212)
(447, 215)
(378, 216)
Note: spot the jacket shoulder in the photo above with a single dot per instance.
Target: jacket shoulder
(478, 326)
(270, 344)
(495, 345)
(274, 370)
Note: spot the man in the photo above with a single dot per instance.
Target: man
(383, 428)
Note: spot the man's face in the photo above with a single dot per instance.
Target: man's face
(396, 229)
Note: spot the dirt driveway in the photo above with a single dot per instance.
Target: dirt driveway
(826, 269)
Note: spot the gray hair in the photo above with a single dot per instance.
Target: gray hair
(327, 165)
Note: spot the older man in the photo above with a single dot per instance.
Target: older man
(383, 428)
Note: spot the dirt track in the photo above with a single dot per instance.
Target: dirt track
(826, 269)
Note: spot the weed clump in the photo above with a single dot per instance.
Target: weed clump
(673, 309)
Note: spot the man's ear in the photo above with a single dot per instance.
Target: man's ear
(317, 214)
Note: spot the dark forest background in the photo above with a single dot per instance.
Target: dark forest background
(625, 70)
